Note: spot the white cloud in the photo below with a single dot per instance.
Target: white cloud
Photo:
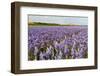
(59, 19)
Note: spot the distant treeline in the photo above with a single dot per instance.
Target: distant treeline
(41, 23)
(50, 24)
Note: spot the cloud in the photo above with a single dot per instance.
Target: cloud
(59, 19)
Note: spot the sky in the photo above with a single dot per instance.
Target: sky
(58, 19)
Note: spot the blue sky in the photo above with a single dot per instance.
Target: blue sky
(59, 19)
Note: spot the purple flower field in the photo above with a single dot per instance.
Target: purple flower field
(57, 42)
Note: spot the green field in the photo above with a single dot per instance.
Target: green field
(49, 24)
